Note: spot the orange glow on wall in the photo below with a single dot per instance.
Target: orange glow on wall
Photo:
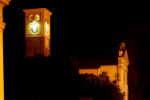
(3, 3)
(110, 69)
(117, 72)
(89, 71)
(1, 67)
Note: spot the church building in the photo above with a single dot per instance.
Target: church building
(117, 69)
(37, 33)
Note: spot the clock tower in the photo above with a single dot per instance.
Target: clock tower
(37, 32)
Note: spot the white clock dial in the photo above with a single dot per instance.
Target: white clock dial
(34, 27)
(46, 27)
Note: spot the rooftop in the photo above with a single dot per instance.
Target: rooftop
(96, 62)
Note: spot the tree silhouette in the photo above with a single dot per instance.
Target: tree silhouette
(99, 87)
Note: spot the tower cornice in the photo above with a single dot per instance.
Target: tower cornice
(4, 2)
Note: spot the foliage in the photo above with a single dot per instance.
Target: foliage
(59, 78)
(99, 87)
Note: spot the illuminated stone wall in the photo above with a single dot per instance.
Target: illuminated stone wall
(123, 63)
(3, 3)
(115, 72)
(111, 71)
(89, 71)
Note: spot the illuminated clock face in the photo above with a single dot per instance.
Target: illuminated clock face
(46, 27)
(34, 28)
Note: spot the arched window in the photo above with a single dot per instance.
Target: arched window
(31, 18)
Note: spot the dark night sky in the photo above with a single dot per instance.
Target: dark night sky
(78, 28)
(89, 29)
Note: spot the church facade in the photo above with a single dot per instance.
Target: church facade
(117, 69)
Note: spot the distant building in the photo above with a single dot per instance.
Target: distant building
(117, 69)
